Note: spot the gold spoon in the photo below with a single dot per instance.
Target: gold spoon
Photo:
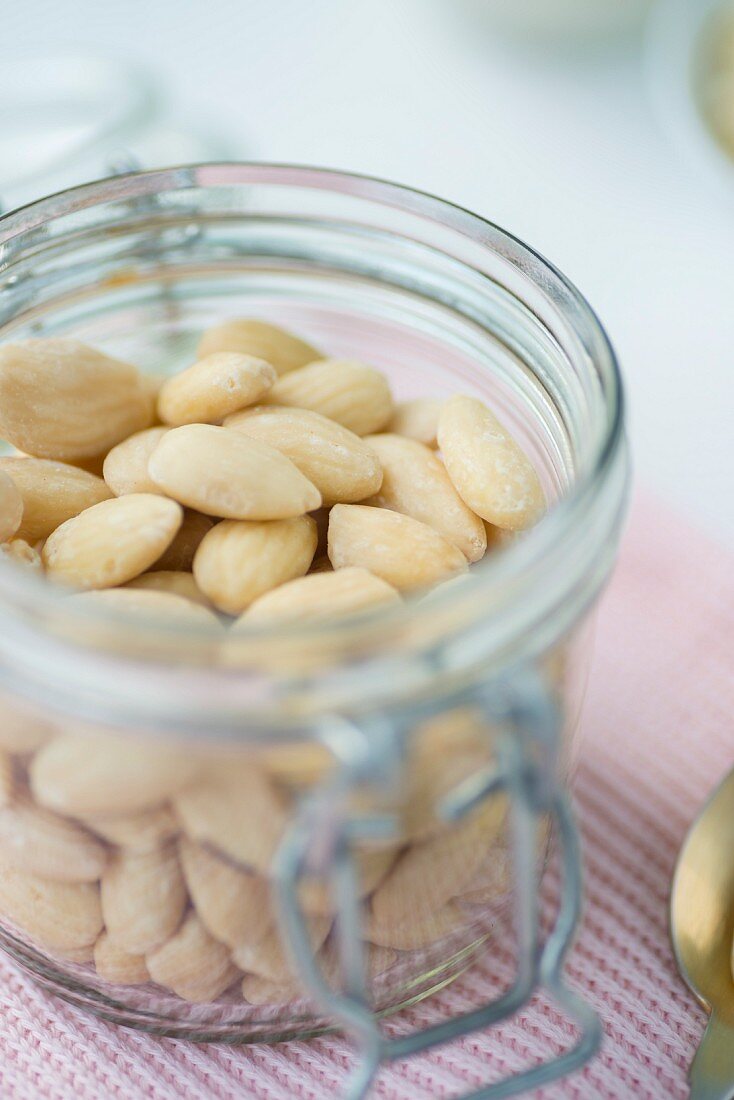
(702, 931)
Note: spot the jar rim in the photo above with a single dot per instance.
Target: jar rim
(528, 559)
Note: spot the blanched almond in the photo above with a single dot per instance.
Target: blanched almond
(19, 552)
(125, 468)
(280, 348)
(223, 473)
(378, 960)
(151, 384)
(22, 729)
(415, 483)
(430, 873)
(442, 753)
(63, 400)
(219, 384)
(192, 964)
(321, 596)
(174, 582)
(87, 774)
(297, 763)
(340, 464)
(139, 832)
(371, 867)
(401, 550)
(239, 560)
(355, 395)
(112, 542)
(167, 608)
(11, 503)
(238, 811)
(115, 964)
(268, 959)
(260, 991)
(143, 898)
(234, 904)
(7, 778)
(415, 931)
(52, 492)
(180, 554)
(39, 841)
(58, 915)
(491, 472)
(417, 419)
(79, 955)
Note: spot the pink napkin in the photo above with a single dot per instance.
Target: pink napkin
(659, 735)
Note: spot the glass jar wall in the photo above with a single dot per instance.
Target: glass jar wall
(152, 773)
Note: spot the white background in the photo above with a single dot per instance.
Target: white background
(562, 147)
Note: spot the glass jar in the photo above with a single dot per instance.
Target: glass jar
(252, 802)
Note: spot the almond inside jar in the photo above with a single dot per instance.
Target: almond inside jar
(265, 484)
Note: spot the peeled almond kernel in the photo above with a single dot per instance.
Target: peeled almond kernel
(169, 608)
(192, 964)
(125, 468)
(430, 873)
(489, 469)
(83, 774)
(179, 556)
(378, 960)
(174, 582)
(321, 596)
(260, 991)
(417, 419)
(219, 384)
(39, 841)
(415, 933)
(52, 493)
(401, 550)
(340, 464)
(239, 560)
(7, 779)
(63, 400)
(111, 542)
(139, 832)
(233, 903)
(443, 751)
(22, 730)
(143, 898)
(415, 483)
(60, 916)
(11, 504)
(275, 345)
(237, 811)
(355, 395)
(224, 473)
(19, 552)
(268, 959)
(371, 868)
(114, 964)
(79, 955)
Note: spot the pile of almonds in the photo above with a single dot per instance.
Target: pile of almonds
(263, 484)
(153, 864)
(226, 486)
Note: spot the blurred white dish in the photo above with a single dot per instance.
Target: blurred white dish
(69, 118)
(683, 45)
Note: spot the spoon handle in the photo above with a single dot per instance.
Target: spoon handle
(712, 1069)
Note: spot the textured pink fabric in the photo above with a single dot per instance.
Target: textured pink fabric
(658, 725)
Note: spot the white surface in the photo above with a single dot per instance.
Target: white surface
(563, 150)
